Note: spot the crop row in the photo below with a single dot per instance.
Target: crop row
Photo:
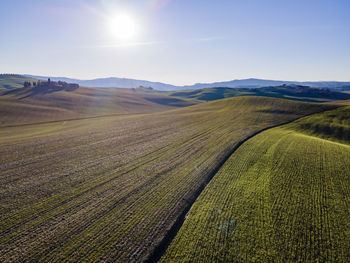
(109, 188)
(281, 197)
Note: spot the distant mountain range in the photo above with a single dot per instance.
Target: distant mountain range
(258, 83)
(114, 82)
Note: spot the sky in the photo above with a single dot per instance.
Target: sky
(177, 41)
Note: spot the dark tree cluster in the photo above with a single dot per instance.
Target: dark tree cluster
(7, 75)
(27, 84)
(50, 86)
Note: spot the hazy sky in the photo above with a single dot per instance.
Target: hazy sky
(177, 41)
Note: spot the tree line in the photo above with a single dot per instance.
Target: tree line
(51, 84)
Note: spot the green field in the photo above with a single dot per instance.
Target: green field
(283, 196)
(333, 125)
(298, 93)
(109, 188)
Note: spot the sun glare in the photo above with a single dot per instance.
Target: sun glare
(122, 26)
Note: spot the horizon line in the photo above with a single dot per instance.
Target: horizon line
(167, 83)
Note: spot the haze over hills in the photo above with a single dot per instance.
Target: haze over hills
(13, 81)
(291, 92)
(113, 82)
(53, 102)
(258, 83)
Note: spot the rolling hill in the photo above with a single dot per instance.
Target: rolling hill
(283, 196)
(13, 81)
(258, 83)
(331, 125)
(113, 82)
(33, 104)
(292, 92)
(111, 188)
(100, 174)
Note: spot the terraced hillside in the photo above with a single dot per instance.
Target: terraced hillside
(31, 105)
(283, 196)
(109, 188)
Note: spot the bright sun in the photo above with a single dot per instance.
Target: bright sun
(123, 26)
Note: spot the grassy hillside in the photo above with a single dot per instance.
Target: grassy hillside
(332, 125)
(283, 196)
(298, 93)
(31, 105)
(13, 81)
(109, 188)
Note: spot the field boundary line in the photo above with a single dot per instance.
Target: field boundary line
(163, 244)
